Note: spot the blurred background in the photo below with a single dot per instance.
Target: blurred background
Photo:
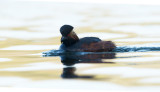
(30, 27)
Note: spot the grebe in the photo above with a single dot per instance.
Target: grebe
(71, 42)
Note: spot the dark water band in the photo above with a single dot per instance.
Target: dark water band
(136, 49)
(121, 49)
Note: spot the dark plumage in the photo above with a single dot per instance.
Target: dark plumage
(66, 29)
(71, 42)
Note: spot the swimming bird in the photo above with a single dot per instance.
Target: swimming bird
(71, 42)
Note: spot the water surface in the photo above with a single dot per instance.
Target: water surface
(29, 28)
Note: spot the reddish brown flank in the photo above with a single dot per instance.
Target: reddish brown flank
(102, 46)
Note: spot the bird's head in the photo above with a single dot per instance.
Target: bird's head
(68, 35)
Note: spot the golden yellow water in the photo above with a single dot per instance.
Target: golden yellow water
(29, 28)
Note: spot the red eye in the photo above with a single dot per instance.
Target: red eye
(68, 35)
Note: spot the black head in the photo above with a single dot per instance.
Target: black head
(69, 37)
(66, 29)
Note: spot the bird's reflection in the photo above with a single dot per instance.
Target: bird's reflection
(70, 60)
(69, 72)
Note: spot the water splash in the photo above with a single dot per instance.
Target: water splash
(121, 49)
(136, 49)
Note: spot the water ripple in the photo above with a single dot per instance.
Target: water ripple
(120, 49)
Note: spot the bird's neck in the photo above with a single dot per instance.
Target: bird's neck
(70, 41)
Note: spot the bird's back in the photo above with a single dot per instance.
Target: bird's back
(90, 44)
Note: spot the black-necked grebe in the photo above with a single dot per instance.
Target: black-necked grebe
(71, 42)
